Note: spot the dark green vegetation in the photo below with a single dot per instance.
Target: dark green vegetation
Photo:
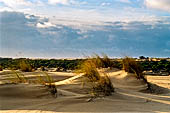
(25, 66)
(9, 63)
(29, 64)
(1, 68)
(156, 66)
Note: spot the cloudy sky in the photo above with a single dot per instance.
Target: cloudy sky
(76, 28)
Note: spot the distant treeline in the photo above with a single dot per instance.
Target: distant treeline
(156, 66)
(9, 63)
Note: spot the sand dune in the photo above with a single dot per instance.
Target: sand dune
(72, 97)
(124, 80)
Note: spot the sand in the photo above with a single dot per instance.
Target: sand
(72, 97)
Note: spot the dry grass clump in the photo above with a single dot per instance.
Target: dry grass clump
(100, 85)
(130, 65)
(25, 66)
(47, 80)
(17, 77)
(103, 86)
(102, 62)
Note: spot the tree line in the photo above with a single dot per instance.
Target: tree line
(14, 64)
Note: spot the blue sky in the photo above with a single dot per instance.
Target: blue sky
(75, 28)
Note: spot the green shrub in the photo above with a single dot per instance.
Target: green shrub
(1, 69)
(107, 61)
(25, 66)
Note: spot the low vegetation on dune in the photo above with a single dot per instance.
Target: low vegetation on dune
(43, 79)
(102, 62)
(18, 77)
(48, 81)
(96, 79)
(100, 84)
(131, 66)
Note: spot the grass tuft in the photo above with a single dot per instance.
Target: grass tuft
(102, 62)
(100, 85)
(47, 80)
(17, 77)
(130, 65)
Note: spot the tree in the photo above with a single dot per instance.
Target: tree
(142, 57)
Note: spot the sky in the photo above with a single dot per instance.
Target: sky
(78, 28)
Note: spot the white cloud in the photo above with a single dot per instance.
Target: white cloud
(45, 25)
(124, 1)
(105, 4)
(14, 3)
(5, 9)
(67, 39)
(64, 2)
(158, 4)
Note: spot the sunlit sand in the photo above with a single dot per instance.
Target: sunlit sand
(72, 97)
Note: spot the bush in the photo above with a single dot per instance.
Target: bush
(101, 85)
(25, 66)
(1, 69)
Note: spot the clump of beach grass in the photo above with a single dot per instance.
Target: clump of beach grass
(100, 85)
(130, 65)
(47, 80)
(102, 62)
(17, 77)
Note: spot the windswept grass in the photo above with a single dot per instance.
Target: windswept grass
(100, 85)
(17, 77)
(102, 62)
(130, 65)
(41, 80)
(47, 80)
(44, 78)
